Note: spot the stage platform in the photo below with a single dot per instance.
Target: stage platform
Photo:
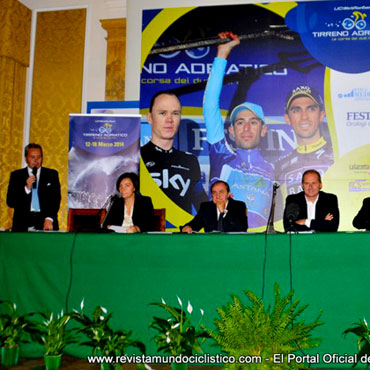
(124, 273)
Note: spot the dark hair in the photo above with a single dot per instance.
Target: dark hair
(133, 177)
(304, 91)
(155, 96)
(221, 182)
(312, 172)
(32, 146)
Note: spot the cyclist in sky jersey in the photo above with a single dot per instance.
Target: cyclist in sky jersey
(176, 172)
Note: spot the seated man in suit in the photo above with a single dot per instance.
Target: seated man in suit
(311, 209)
(221, 214)
(34, 193)
(362, 219)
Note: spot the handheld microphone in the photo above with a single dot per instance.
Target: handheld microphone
(34, 173)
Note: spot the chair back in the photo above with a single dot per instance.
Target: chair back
(160, 219)
(85, 220)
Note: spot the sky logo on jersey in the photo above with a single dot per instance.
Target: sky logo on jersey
(176, 181)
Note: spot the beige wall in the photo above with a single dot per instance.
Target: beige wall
(56, 88)
(96, 46)
(14, 59)
(45, 117)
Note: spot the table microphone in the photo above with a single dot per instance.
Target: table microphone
(292, 212)
(34, 173)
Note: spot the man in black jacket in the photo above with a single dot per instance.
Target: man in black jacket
(362, 219)
(311, 209)
(34, 193)
(222, 214)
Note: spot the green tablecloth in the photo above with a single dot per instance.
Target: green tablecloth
(124, 273)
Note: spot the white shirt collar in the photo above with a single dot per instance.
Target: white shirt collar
(311, 210)
(30, 171)
(315, 201)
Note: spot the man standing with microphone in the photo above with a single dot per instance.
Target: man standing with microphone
(34, 193)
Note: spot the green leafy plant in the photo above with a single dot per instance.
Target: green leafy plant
(101, 337)
(119, 341)
(176, 335)
(255, 330)
(53, 333)
(13, 326)
(362, 331)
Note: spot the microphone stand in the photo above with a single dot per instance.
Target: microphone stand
(270, 223)
(108, 202)
(269, 230)
(291, 225)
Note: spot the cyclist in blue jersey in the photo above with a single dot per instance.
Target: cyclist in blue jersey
(249, 175)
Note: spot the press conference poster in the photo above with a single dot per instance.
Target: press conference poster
(284, 46)
(101, 148)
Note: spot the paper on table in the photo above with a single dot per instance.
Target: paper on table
(118, 229)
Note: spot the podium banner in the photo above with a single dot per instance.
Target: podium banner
(101, 148)
(315, 49)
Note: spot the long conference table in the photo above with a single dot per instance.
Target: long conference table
(124, 273)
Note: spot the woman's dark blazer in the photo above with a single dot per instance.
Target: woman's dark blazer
(143, 215)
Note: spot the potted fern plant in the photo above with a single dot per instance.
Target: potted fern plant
(54, 336)
(13, 330)
(261, 331)
(176, 334)
(101, 337)
(362, 331)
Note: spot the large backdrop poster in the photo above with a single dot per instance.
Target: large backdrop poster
(101, 148)
(313, 49)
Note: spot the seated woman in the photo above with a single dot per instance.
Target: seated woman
(133, 211)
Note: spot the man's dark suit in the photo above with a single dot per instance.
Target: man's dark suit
(143, 215)
(49, 197)
(327, 203)
(234, 220)
(362, 219)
